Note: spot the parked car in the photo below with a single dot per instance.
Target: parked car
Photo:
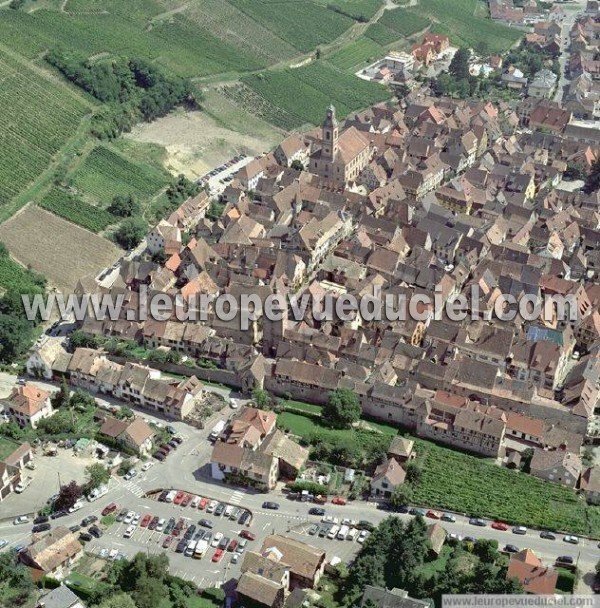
(74, 528)
(181, 546)
(167, 542)
(3, 543)
(415, 511)
(519, 530)
(160, 525)
(178, 498)
(203, 504)
(498, 525)
(434, 514)
(145, 520)
(569, 538)
(130, 474)
(186, 500)
(244, 517)
(41, 519)
(270, 505)
(153, 523)
(218, 555)
(122, 514)
(220, 509)
(448, 517)
(22, 519)
(147, 465)
(129, 517)
(216, 539)
(40, 528)
(248, 535)
(235, 514)
(95, 531)
(564, 559)
(313, 529)
(85, 537)
(206, 523)
(511, 549)
(232, 546)
(89, 520)
(316, 511)
(111, 508)
(363, 524)
(547, 535)
(129, 532)
(338, 500)
(224, 542)
(362, 537)
(59, 514)
(477, 521)
(160, 456)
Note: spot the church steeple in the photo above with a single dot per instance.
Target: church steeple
(330, 135)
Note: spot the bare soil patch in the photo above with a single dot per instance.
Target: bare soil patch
(196, 142)
(61, 251)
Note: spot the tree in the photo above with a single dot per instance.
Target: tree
(124, 206)
(486, 550)
(125, 466)
(413, 473)
(125, 412)
(81, 339)
(62, 397)
(82, 401)
(592, 181)
(366, 570)
(130, 232)
(459, 66)
(526, 457)
(401, 496)
(297, 165)
(121, 600)
(98, 475)
(342, 409)
(16, 336)
(262, 398)
(16, 584)
(68, 495)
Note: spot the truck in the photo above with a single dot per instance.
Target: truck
(217, 430)
(341, 535)
(201, 549)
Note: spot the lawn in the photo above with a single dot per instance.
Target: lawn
(467, 484)
(7, 447)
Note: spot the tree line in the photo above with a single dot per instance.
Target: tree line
(132, 88)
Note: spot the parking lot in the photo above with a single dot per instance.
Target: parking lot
(219, 178)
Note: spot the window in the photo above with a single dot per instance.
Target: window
(327, 135)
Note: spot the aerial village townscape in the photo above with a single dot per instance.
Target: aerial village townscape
(232, 149)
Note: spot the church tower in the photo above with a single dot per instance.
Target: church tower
(330, 135)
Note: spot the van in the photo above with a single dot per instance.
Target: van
(189, 551)
(333, 532)
(341, 535)
(352, 534)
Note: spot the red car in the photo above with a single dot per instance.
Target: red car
(145, 520)
(232, 546)
(338, 500)
(167, 542)
(203, 503)
(248, 535)
(178, 498)
(153, 522)
(217, 555)
(433, 514)
(186, 500)
(111, 508)
(498, 525)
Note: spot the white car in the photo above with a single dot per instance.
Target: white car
(103, 553)
(216, 539)
(136, 519)
(113, 554)
(76, 506)
(195, 502)
(212, 505)
(160, 525)
(235, 558)
(327, 519)
(22, 519)
(129, 517)
(129, 532)
(147, 465)
(362, 537)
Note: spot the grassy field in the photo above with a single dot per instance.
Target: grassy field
(105, 173)
(63, 252)
(467, 25)
(37, 117)
(468, 484)
(304, 92)
(358, 52)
